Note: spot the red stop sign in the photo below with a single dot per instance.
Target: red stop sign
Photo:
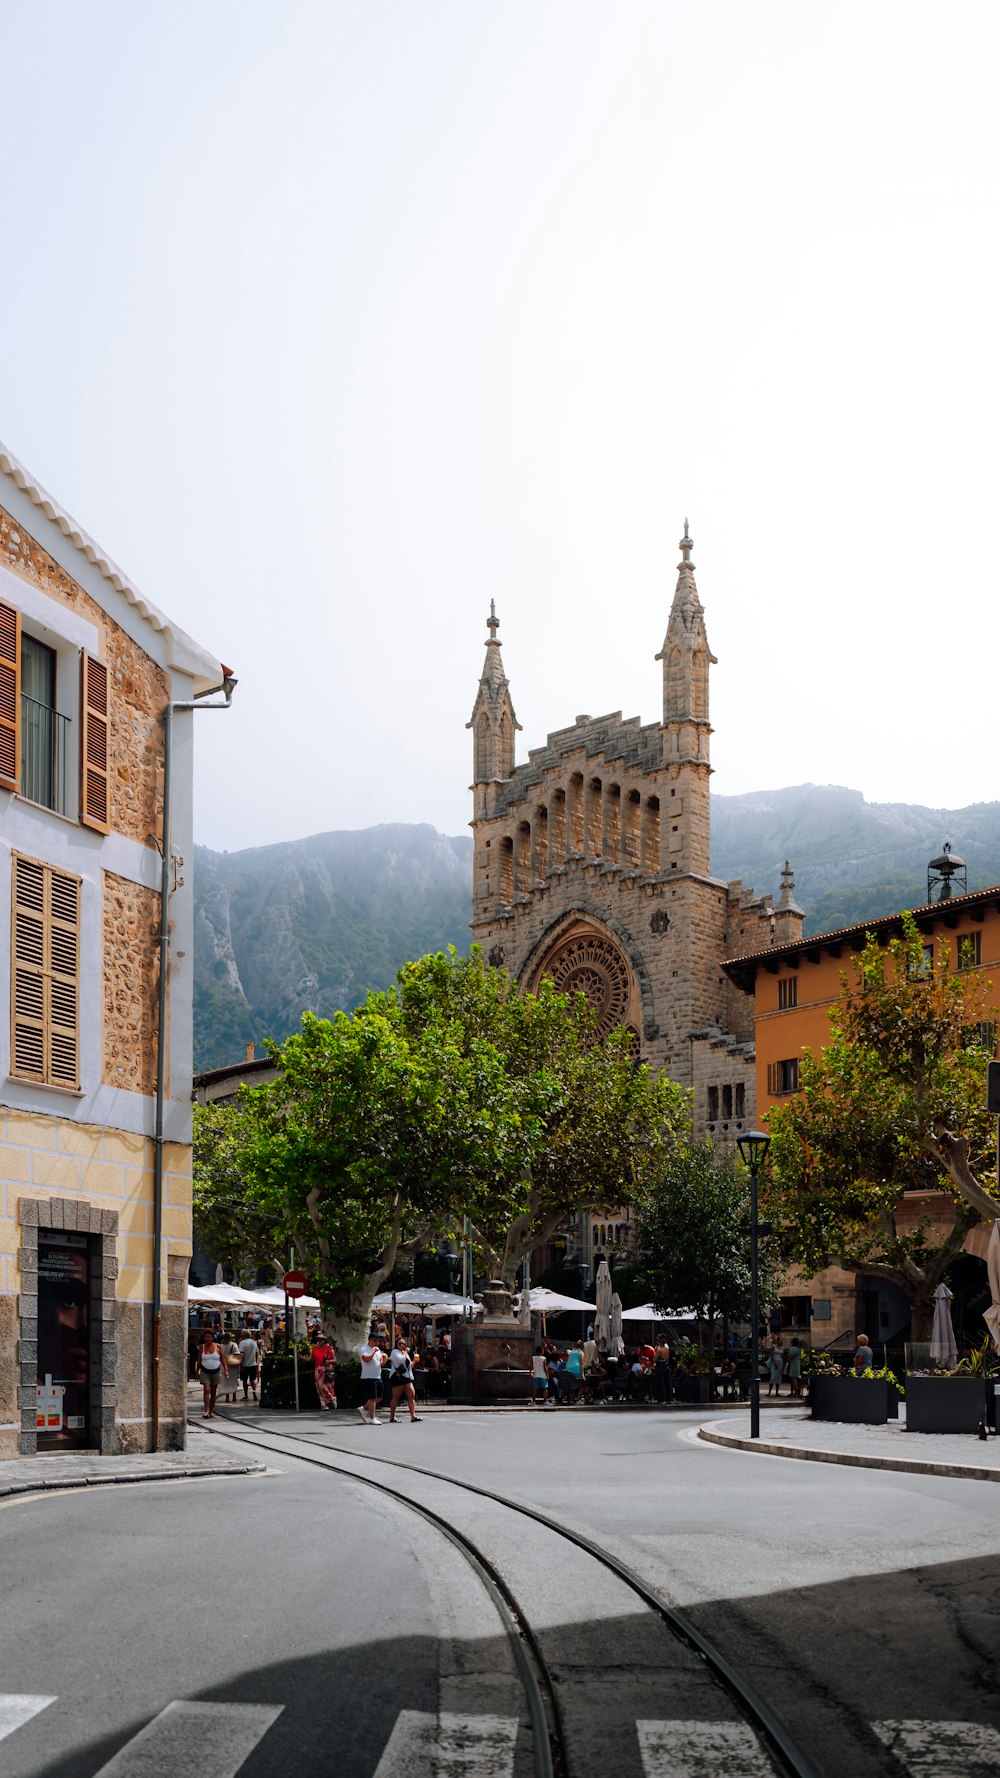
(294, 1283)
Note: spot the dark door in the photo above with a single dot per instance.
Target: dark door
(63, 1412)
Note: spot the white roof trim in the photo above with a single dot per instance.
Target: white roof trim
(183, 652)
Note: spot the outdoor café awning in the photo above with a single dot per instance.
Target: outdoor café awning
(649, 1312)
(431, 1303)
(233, 1296)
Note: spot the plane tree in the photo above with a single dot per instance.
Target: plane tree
(877, 1163)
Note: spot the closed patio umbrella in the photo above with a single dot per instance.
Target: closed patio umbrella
(602, 1320)
(617, 1343)
(992, 1314)
(944, 1349)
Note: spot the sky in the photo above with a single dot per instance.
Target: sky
(332, 322)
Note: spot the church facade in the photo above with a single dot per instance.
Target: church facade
(592, 866)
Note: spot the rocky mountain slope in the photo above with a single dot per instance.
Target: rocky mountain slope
(316, 923)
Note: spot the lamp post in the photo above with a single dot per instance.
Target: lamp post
(753, 1147)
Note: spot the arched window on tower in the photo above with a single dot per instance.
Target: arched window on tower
(699, 685)
(522, 858)
(611, 848)
(506, 871)
(595, 800)
(540, 843)
(505, 749)
(483, 761)
(557, 830)
(651, 837)
(631, 813)
(574, 837)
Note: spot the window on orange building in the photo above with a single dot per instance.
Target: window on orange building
(783, 1077)
(969, 950)
(788, 992)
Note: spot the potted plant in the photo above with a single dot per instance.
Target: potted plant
(860, 1398)
(955, 1400)
(694, 1374)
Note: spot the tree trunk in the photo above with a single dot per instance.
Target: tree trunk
(921, 1318)
(346, 1320)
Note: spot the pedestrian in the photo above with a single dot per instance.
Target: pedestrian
(211, 1369)
(775, 1365)
(229, 1384)
(324, 1359)
(372, 1359)
(863, 1356)
(401, 1382)
(661, 1371)
(590, 1353)
(794, 1364)
(539, 1376)
(249, 1354)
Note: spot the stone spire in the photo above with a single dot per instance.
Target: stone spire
(788, 916)
(685, 654)
(493, 721)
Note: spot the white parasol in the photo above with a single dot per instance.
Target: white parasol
(524, 1308)
(649, 1312)
(430, 1303)
(602, 1320)
(944, 1349)
(992, 1314)
(617, 1343)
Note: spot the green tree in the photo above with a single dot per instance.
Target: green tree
(693, 1241)
(894, 1104)
(451, 1094)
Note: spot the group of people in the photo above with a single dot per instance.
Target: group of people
(399, 1378)
(784, 1361)
(566, 1374)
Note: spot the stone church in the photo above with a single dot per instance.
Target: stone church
(592, 866)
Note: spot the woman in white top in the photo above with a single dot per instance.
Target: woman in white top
(211, 1366)
(401, 1381)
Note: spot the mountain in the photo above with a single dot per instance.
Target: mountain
(852, 860)
(316, 923)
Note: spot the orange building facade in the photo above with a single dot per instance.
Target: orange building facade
(795, 987)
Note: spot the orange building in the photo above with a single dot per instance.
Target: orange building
(795, 987)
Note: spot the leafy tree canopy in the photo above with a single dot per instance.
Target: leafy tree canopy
(694, 1249)
(450, 1094)
(894, 1104)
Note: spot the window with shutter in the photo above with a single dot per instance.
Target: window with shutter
(10, 697)
(774, 1077)
(45, 978)
(94, 810)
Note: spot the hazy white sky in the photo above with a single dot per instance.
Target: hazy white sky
(334, 321)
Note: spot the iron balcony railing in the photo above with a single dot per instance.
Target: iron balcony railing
(43, 755)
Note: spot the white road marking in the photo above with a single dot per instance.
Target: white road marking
(17, 1708)
(942, 1749)
(449, 1746)
(190, 1739)
(701, 1750)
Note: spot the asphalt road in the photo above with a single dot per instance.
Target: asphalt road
(851, 1599)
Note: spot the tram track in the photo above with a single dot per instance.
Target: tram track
(541, 1688)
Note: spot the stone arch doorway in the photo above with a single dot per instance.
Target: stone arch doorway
(584, 959)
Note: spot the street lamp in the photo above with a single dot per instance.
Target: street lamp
(753, 1147)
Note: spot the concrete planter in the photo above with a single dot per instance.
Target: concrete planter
(694, 1389)
(945, 1404)
(847, 1398)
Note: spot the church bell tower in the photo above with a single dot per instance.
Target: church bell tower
(686, 659)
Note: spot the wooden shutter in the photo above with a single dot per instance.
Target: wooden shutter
(94, 811)
(45, 979)
(774, 1078)
(10, 696)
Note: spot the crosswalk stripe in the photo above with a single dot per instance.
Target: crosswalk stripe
(17, 1708)
(187, 1740)
(677, 1749)
(447, 1745)
(940, 1749)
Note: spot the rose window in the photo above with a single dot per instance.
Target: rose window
(591, 965)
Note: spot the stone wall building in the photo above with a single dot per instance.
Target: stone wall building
(592, 866)
(92, 1317)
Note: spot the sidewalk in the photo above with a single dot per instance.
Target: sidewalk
(789, 1432)
(83, 1469)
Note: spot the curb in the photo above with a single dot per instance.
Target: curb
(853, 1459)
(50, 1484)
